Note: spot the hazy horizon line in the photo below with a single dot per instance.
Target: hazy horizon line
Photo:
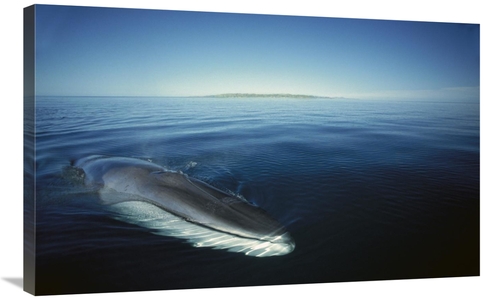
(221, 95)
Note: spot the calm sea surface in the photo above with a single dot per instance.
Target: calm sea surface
(368, 189)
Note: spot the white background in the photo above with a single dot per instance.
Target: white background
(480, 12)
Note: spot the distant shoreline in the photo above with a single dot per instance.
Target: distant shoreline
(251, 95)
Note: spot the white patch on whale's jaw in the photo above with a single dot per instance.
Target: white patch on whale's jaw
(164, 223)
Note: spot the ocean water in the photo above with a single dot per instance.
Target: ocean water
(369, 190)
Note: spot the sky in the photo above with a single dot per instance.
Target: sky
(83, 51)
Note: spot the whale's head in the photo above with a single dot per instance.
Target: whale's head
(279, 245)
(283, 244)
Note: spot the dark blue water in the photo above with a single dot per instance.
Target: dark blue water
(368, 189)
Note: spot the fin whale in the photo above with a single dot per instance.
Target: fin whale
(173, 204)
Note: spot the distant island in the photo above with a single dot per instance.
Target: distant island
(250, 95)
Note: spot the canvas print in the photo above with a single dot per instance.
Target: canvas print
(177, 150)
